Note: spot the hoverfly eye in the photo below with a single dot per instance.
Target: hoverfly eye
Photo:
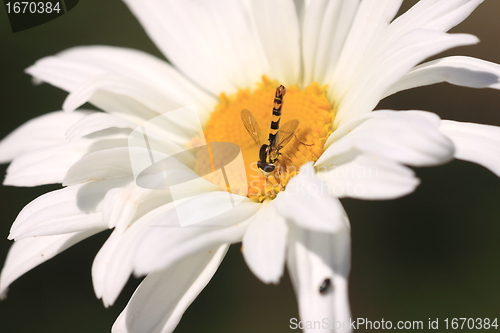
(269, 168)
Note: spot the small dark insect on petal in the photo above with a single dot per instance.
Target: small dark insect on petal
(323, 288)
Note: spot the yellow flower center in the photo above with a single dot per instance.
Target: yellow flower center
(309, 106)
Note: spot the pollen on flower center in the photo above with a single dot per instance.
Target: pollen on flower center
(309, 106)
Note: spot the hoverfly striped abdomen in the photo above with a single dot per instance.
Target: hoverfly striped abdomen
(278, 137)
(275, 122)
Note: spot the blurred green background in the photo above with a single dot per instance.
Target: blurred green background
(432, 254)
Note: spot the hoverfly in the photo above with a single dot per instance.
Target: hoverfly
(278, 137)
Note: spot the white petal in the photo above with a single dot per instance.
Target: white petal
(370, 178)
(40, 132)
(74, 208)
(462, 71)
(324, 30)
(64, 74)
(433, 14)
(366, 32)
(475, 143)
(155, 252)
(86, 71)
(95, 122)
(240, 52)
(162, 298)
(100, 165)
(387, 66)
(264, 244)
(28, 253)
(278, 27)
(221, 52)
(122, 106)
(408, 137)
(100, 270)
(307, 203)
(70, 75)
(142, 67)
(113, 264)
(69, 69)
(50, 165)
(312, 258)
(130, 203)
(389, 51)
(146, 95)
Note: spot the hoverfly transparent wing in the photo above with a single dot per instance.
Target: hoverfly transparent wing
(286, 133)
(251, 125)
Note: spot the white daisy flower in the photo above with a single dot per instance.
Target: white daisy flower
(337, 60)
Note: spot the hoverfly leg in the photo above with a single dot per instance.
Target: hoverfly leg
(302, 143)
